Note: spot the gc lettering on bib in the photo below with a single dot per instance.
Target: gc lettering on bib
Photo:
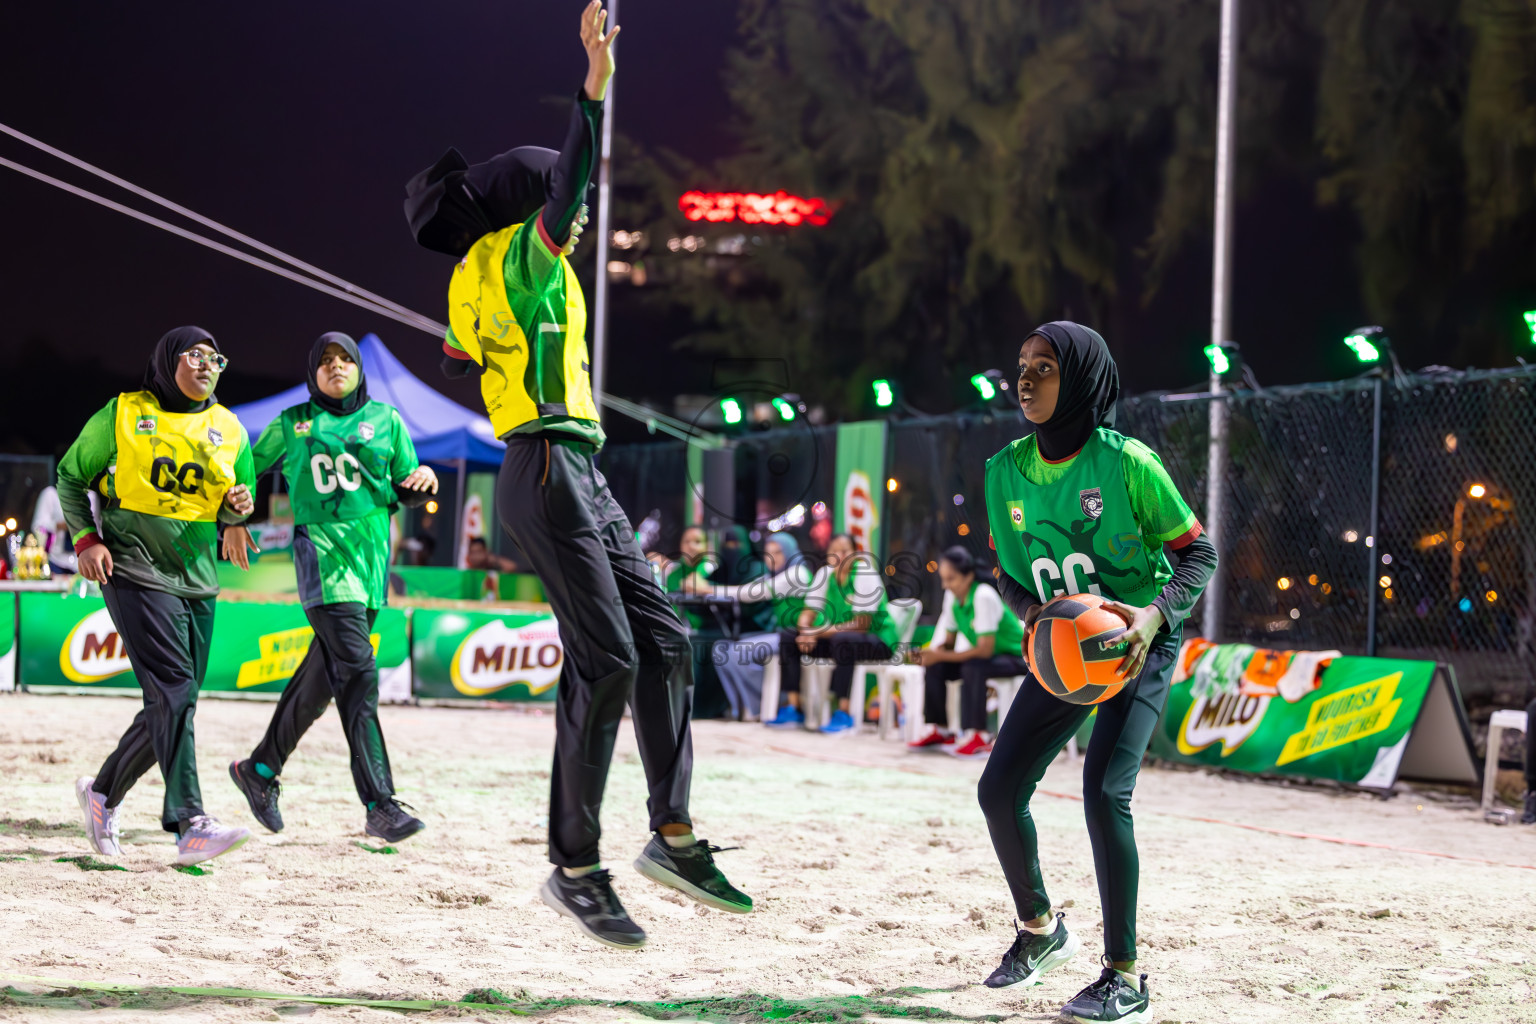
(343, 471)
(1075, 575)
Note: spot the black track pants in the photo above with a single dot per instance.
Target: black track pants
(167, 639)
(339, 664)
(623, 641)
(845, 650)
(1036, 729)
(973, 675)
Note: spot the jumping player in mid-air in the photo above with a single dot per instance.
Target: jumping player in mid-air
(1074, 469)
(347, 460)
(517, 319)
(170, 464)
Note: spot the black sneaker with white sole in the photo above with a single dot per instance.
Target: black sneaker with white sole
(1032, 955)
(1529, 817)
(591, 902)
(691, 871)
(260, 794)
(1110, 999)
(389, 821)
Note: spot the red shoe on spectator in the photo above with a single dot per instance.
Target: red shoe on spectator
(976, 745)
(935, 737)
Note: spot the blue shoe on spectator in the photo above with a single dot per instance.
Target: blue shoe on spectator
(841, 721)
(789, 716)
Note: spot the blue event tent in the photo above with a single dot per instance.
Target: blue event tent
(443, 431)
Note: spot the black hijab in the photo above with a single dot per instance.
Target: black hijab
(1090, 384)
(160, 376)
(337, 406)
(453, 203)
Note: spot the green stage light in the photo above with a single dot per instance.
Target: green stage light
(1217, 357)
(730, 410)
(885, 394)
(1530, 323)
(984, 386)
(786, 410)
(1363, 348)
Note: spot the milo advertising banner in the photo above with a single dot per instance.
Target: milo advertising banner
(486, 656)
(861, 482)
(1363, 721)
(70, 641)
(7, 641)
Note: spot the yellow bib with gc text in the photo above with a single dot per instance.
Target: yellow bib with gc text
(176, 465)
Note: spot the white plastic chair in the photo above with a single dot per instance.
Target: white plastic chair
(1501, 720)
(816, 680)
(904, 613)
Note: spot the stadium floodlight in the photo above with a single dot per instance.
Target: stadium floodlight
(1217, 357)
(1367, 343)
(885, 394)
(984, 387)
(786, 409)
(730, 411)
(1530, 323)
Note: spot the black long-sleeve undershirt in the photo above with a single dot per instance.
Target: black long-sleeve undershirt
(1195, 565)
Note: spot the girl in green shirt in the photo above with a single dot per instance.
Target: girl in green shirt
(1074, 508)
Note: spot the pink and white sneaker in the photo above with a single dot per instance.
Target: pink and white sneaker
(206, 839)
(100, 820)
(935, 737)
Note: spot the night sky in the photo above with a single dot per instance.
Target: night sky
(298, 124)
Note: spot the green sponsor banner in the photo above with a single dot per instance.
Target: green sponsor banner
(861, 482)
(257, 646)
(513, 656)
(1293, 713)
(7, 641)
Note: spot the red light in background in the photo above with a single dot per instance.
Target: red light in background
(752, 208)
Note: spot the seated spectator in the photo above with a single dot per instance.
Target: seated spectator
(974, 610)
(479, 556)
(693, 560)
(845, 620)
(739, 663)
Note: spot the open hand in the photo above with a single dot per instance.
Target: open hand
(239, 500)
(237, 546)
(1142, 625)
(95, 563)
(421, 479)
(806, 642)
(599, 49)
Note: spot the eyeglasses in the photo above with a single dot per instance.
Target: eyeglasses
(209, 360)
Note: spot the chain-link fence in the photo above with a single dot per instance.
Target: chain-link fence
(1452, 572)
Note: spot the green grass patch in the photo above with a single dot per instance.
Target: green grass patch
(192, 869)
(33, 827)
(85, 862)
(374, 849)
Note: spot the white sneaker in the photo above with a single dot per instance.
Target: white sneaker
(100, 820)
(206, 839)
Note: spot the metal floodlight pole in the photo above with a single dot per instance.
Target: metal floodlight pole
(604, 234)
(1221, 308)
(1373, 539)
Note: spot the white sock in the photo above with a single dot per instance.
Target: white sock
(678, 842)
(1133, 980)
(1049, 928)
(579, 872)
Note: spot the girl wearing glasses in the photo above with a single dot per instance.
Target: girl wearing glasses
(170, 464)
(347, 460)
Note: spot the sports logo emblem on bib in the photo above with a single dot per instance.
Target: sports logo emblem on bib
(1092, 502)
(215, 437)
(366, 431)
(301, 428)
(144, 425)
(1016, 514)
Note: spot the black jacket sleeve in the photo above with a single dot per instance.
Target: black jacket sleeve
(454, 368)
(1196, 566)
(1018, 599)
(572, 173)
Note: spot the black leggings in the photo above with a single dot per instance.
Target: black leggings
(339, 664)
(167, 639)
(1530, 746)
(1038, 726)
(973, 675)
(844, 650)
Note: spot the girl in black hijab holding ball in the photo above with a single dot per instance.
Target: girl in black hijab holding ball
(1077, 508)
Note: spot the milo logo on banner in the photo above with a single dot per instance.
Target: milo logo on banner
(497, 656)
(1227, 718)
(859, 509)
(93, 650)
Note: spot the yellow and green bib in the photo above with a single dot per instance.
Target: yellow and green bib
(175, 465)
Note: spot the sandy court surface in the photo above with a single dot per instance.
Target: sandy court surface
(877, 890)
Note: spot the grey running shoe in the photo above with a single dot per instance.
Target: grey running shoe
(1529, 817)
(691, 871)
(206, 839)
(1110, 1000)
(390, 822)
(591, 902)
(100, 820)
(261, 794)
(1032, 955)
